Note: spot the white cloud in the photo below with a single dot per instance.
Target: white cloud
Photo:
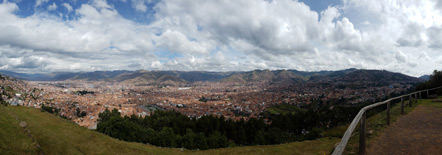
(397, 35)
(139, 5)
(251, 21)
(435, 37)
(52, 7)
(404, 25)
(101, 4)
(40, 2)
(411, 36)
(87, 41)
(68, 7)
(175, 41)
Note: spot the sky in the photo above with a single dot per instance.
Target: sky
(45, 36)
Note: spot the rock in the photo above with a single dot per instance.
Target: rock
(23, 124)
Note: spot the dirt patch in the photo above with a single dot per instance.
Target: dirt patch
(419, 132)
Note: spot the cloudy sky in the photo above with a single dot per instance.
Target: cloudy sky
(220, 35)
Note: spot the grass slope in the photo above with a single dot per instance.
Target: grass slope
(13, 139)
(49, 134)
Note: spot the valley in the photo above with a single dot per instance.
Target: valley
(241, 95)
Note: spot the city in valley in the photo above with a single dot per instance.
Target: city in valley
(220, 76)
(83, 100)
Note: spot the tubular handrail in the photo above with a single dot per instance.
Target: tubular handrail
(344, 140)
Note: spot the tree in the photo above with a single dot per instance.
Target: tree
(260, 138)
(216, 140)
(83, 113)
(189, 140)
(201, 141)
(150, 136)
(167, 137)
(78, 112)
(122, 129)
(434, 81)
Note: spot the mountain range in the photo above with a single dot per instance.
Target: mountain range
(144, 77)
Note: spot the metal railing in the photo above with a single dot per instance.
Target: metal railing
(361, 116)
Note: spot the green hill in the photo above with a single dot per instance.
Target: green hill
(50, 134)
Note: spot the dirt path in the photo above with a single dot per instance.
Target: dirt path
(419, 132)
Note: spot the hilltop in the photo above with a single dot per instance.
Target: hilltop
(178, 78)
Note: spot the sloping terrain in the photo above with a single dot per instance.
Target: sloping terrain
(384, 139)
(50, 134)
(265, 76)
(377, 76)
(143, 77)
(419, 132)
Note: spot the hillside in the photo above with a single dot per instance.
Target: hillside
(49, 134)
(143, 77)
(425, 77)
(265, 76)
(377, 76)
(61, 76)
(177, 78)
(329, 75)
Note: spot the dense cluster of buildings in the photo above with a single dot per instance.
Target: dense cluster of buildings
(232, 101)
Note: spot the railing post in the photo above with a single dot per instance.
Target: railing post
(388, 113)
(415, 95)
(402, 105)
(362, 118)
(362, 134)
(420, 96)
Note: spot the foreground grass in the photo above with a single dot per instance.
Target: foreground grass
(13, 139)
(58, 136)
(434, 103)
(50, 134)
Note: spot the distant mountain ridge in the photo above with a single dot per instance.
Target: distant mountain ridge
(144, 77)
(425, 77)
(377, 76)
(265, 76)
(61, 76)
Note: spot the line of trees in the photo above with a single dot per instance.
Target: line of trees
(434, 81)
(50, 109)
(172, 129)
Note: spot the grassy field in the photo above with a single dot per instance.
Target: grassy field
(430, 103)
(50, 134)
(13, 139)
